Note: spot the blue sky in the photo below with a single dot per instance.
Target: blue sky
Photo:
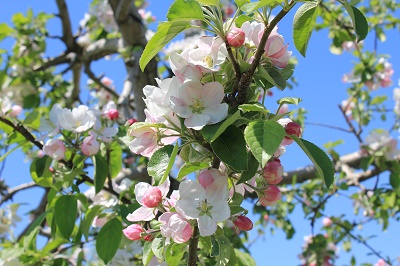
(319, 77)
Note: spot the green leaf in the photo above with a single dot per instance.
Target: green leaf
(303, 24)
(160, 162)
(230, 147)
(31, 101)
(272, 76)
(191, 167)
(37, 222)
(32, 120)
(242, 19)
(253, 107)
(264, 138)
(224, 246)
(244, 259)
(185, 10)
(253, 6)
(115, 162)
(394, 180)
(319, 158)
(212, 132)
(360, 23)
(157, 246)
(209, 2)
(40, 171)
(289, 100)
(147, 253)
(65, 211)
(87, 221)
(166, 31)
(100, 172)
(174, 253)
(252, 167)
(240, 3)
(5, 31)
(108, 239)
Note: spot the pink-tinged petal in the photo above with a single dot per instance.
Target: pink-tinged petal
(180, 107)
(176, 61)
(197, 121)
(216, 112)
(140, 189)
(190, 190)
(213, 93)
(274, 44)
(141, 214)
(207, 226)
(164, 187)
(188, 208)
(184, 235)
(217, 191)
(205, 42)
(220, 211)
(190, 89)
(280, 53)
(283, 61)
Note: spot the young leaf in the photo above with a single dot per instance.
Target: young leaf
(166, 31)
(40, 172)
(100, 172)
(212, 132)
(264, 138)
(108, 239)
(185, 10)
(174, 253)
(244, 258)
(271, 75)
(115, 162)
(157, 246)
(161, 163)
(253, 107)
(240, 3)
(360, 23)
(191, 167)
(230, 147)
(303, 24)
(319, 158)
(289, 100)
(253, 6)
(65, 211)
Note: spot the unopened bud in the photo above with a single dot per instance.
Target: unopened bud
(152, 197)
(243, 223)
(236, 37)
(273, 172)
(113, 114)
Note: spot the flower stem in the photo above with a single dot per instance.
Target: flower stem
(194, 241)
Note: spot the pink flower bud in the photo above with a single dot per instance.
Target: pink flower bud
(243, 223)
(271, 195)
(90, 146)
(235, 37)
(131, 121)
(16, 110)
(293, 128)
(113, 114)
(266, 217)
(327, 222)
(206, 177)
(133, 232)
(152, 197)
(55, 149)
(273, 172)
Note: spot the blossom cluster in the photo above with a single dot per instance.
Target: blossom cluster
(97, 124)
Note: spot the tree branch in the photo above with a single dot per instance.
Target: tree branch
(12, 191)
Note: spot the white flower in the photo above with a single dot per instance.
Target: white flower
(78, 119)
(52, 126)
(200, 104)
(208, 206)
(381, 139)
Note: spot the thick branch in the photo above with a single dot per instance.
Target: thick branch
(68, 38)
(101, 48)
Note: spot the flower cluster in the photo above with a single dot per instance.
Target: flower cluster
(318, 250)
(79, 121)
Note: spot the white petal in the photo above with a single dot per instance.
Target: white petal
(197, 121)
(207, 226)
(141, 214)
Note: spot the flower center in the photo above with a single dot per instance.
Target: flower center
(197, 106)
(204, 208)
(208, 61)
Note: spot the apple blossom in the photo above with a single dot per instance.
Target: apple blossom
(90, 146)
(243, 223)
(273, 172)
(206, 177)
(270, 195)
(235, 37)
(326, 221)
(55, 149)
(208, 206)
(133, 232)
(182, 68)
(152, 197)
(175, 226)
(146, 213)
(78, 119)
(200, 104)
(52, 126)
(276, 50)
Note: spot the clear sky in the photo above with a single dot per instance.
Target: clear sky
(320, 86)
